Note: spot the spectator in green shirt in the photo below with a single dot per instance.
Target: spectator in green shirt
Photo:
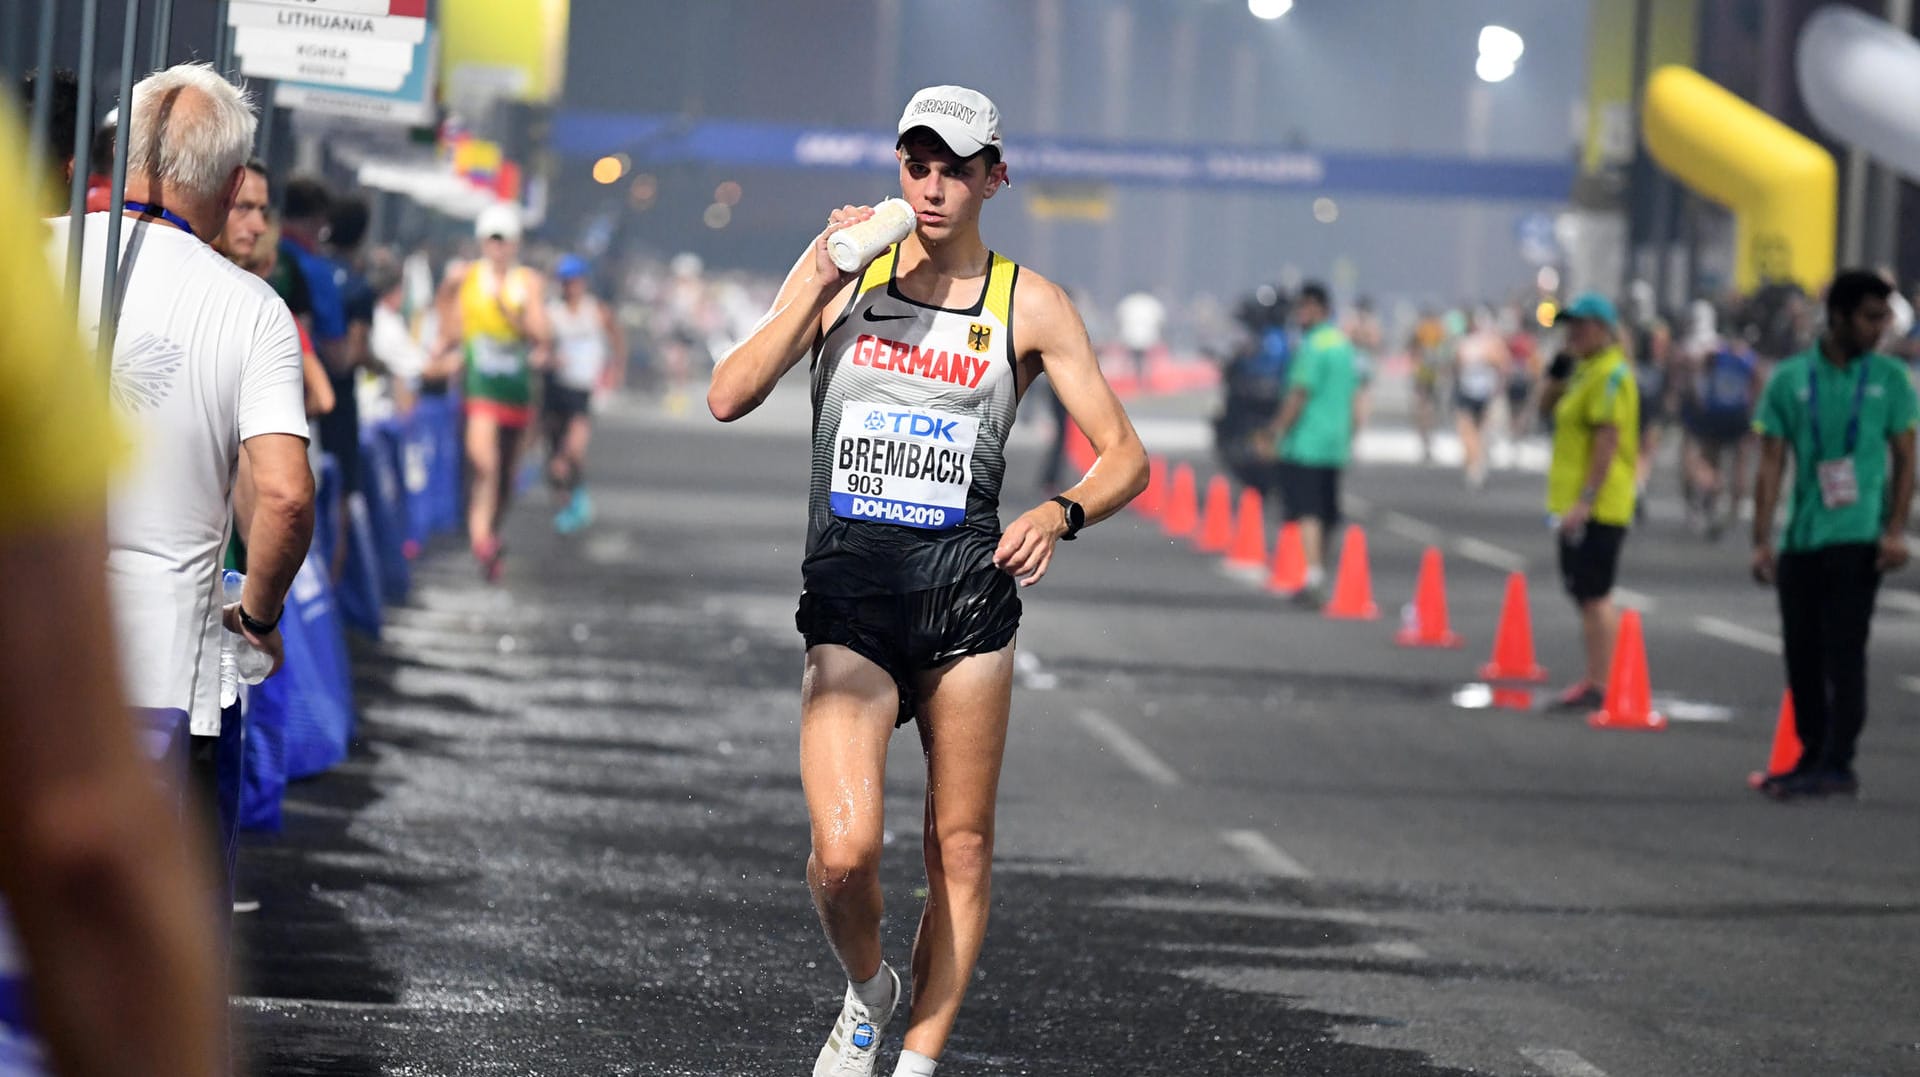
(1847, 414)
(1313, 435)
(1594, 403)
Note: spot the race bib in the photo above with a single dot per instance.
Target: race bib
(903, 465)
(497, 359)
(1839, 485)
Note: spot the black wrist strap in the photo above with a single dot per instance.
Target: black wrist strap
(257, 626)
(1075, 516)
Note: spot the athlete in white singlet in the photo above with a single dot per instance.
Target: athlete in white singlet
(911, 586)
(589, 356)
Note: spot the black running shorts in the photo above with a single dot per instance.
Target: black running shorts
(1308, 491)
(1587, 568)
(909, 634)
(561, 402)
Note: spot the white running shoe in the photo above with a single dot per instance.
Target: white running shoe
(853, 1048)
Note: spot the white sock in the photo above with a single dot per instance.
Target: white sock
(915, 1064)
(876, 994)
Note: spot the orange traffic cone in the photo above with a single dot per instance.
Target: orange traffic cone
(1181, 517)
(1249, 549)
(1786, 745)
(1080, 452)
(1426, 619)
(1629, 701)
(1513, 644)
(1216, 524)
(1353, 587)
(1289, 573)
(1151, 500)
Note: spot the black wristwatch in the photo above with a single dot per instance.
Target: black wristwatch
(1076, 517)
(258, 627)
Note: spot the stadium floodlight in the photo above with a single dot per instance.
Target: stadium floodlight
(1500, 51)
(1269, 9)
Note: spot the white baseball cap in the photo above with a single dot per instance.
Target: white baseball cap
(500, 219)
(964, 119)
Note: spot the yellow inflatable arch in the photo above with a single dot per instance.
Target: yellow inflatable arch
(1780, 185)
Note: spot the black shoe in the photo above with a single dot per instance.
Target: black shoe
(1793, 785)
(1839, 783)
(1583, 697)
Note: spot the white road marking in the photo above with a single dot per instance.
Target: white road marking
(1722, 629)
(1912, 684)
(1400, 950)
(1488, 554)
(1635, 600)
(1904, 601)
(1416, 531)
(1130, 750)
(1264, 855)
(1561, 1063)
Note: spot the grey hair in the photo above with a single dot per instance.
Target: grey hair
(190, 128)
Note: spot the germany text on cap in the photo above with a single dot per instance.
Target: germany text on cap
(964, 119)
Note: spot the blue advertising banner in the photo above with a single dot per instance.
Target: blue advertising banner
(663, 140)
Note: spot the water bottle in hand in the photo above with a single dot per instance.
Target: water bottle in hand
(240, 661)
(852, 247)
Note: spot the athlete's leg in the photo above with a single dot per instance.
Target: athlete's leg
(483, 478)
(963, 729)
(847, 710)
(512, 440)
(553, 425)
(574, 448)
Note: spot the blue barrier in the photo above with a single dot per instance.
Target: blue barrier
(358, 587)
(381, 448)
(313, 692)
(300, 721)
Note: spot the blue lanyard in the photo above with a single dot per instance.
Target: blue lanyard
(166, 215)
(1813, 408)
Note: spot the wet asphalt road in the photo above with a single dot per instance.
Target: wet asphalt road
(1235, 839)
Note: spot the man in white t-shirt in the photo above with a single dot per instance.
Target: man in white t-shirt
(1141, 319)
(206, 370)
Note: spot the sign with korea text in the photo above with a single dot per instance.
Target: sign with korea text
(306, 19)
(284, 46)
(410, 104)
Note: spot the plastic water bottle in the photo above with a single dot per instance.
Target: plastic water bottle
(240, 661)
(852, 247)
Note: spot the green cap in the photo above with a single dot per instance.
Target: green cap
(1591, 307)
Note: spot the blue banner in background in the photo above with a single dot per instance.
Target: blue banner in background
(682, 140)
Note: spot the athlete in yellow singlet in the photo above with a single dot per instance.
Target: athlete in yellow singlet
(502, 330)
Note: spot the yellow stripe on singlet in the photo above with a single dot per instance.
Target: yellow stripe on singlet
(1000, 289)
(879, 271)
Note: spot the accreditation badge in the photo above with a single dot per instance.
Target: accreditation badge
(1839, 484)
(903, 465)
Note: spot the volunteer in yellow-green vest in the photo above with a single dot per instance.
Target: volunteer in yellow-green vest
(1847, 413)
(1594, 404)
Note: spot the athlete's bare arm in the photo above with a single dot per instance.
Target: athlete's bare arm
(108, 889)
(748, 372)
(1049, 337)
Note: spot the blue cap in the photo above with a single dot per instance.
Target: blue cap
(571, 267)
(1592, 307)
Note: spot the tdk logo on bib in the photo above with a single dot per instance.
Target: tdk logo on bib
(917, 424)
(905, 466)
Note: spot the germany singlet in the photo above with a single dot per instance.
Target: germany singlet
(498, 367)
(911, 408)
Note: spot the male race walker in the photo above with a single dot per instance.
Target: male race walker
(910, 599)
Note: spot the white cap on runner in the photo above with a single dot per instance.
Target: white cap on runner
(964, 119)
(501, 219)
